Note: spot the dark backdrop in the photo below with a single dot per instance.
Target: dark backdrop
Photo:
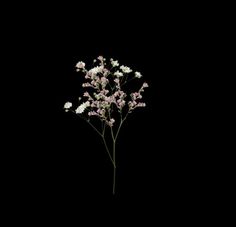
(55, 159)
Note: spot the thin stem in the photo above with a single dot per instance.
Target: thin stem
(127, 81)
(103, 138)
(114, 165)
(112, 134)
(87, 122)
(114, 169)
(121, 122)
(118, 130)
(103, 127)
(94, 128)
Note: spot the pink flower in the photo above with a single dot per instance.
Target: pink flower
(104, 92)
(80, 65)
(111, 122)
(106, 72)
(121, 103)
(116, 94)
(92, 113)
(104, 82)
(86, 94)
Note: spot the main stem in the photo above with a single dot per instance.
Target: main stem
(114, 137)
(114, 166)
(114, 160)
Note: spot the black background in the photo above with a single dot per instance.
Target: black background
(55, 160)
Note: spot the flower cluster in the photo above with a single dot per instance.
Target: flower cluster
(136, 97)
(104, 93)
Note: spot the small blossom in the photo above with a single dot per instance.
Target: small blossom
(82, 107)
(118, 74)
(122, 94)
(100, 58)
(145, 85)
(116, 94)
(117, 80)
(92, 113)
(138, 75)
(136, 95)
(80, 65)
(111, 122)
(104, 92)
(121, 103)
(126, 69)
(104, 80)
(114, 63)
(106, 72)
(86, 85)
(132, 104)
(86, 94)
(95, 70)
(67, 105)
(141, 104)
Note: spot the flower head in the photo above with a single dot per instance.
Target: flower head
(80, 65)
(111, 122)
(100, 58)
(145, 85)
(95, 70)
(114, 63)
(82, 107)
(118, 74)
(117, 80)
(67, 105)
(138, 75)
(126, 69)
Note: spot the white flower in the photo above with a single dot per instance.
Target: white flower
(141, 104)
(126, 69)
(97, 69)
(80, 65)
(82, 107)
(67, 105)
(145, 85)
(100, 58)
(118, 74)
(114, 63)
(138, 74)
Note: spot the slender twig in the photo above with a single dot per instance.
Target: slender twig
(112, 134)
(105, 143)
(108, 152)
(127, 81)
(121, 123)
(94, 128)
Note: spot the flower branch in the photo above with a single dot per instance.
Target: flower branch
(104, 97)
